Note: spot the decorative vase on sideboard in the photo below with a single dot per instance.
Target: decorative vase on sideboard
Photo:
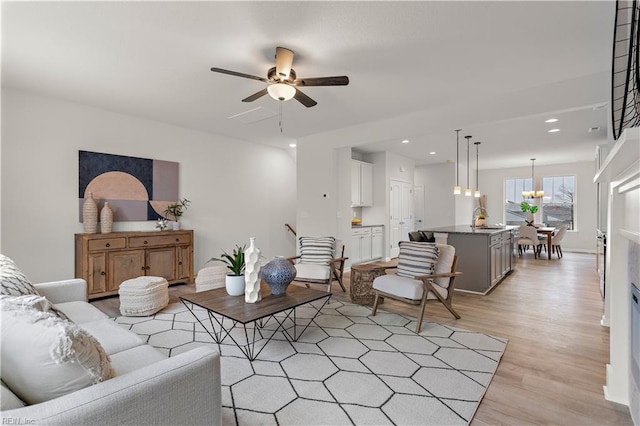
(278, 274)
(90, 215)
(252, 273)
(106, 218)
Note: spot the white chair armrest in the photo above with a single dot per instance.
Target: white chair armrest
(73, 290)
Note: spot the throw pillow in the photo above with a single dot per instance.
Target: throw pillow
(316, 249)
(416, 258)
(43, 356)
(14, 283)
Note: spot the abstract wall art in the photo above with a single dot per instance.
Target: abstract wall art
(136, 188)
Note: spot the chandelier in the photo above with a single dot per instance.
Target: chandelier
(533, 193)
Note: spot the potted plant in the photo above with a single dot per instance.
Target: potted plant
(530, 210)
(176, 210)
(481, 220)
(235, 262)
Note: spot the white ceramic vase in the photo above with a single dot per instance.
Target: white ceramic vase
(235, 285)
(175, 225)
(252, 292)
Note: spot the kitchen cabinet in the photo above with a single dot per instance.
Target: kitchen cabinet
(361, 184)
(367, 244)
(377, 242)
(106, 260)
(485, 256)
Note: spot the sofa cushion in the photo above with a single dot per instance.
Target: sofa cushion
(8, 399)
(80, 312)
(407, 288)
(446, 253)
(416, 258)
(57, 356)
(135, 358)
(111, 336)
(317, 249)
(312, 271)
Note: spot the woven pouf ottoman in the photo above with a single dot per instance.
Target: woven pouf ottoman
(211, 277)
(143, 296)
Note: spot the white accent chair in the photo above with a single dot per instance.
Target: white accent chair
(317, 262)
(436, 286)
(528, 236)
(556, 240)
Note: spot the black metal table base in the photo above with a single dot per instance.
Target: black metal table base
(250, 333)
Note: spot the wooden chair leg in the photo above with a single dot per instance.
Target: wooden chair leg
(421, 316)
(450, 308)
(375, 305)
(559, 252)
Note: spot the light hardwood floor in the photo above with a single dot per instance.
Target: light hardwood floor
(553, 369)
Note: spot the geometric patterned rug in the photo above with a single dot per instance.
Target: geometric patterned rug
(347, 368)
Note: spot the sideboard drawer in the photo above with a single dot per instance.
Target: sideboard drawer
(107, 243)
(159, 240)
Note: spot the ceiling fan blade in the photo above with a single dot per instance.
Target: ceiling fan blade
(239, 74)
(304, 99)
(255, 96)
(339, 80)
(284, 60)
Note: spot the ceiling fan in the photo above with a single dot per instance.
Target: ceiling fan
(283, 82)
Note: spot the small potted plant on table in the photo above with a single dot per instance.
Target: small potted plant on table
(530, 210)
(235, 262)
(176, 210)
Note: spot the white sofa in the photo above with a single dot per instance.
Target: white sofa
(148, 388)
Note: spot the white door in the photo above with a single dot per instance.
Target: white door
(407, 211)
(401, 217)
(395, 217)
(418, 207)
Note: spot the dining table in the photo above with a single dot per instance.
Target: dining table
(548, 232)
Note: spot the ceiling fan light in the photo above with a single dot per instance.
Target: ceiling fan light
(284, 60)
(281, 91)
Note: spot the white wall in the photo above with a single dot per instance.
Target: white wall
(238, 189)
(584, 236)
(438, 181)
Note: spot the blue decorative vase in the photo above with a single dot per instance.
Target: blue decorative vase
(278, 274)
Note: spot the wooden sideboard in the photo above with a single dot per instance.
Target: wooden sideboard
(106, 260)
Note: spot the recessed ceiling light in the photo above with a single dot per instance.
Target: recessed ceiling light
(551, 120)
(405, 141)
(292, 145)
(432, 153)
(553, 130)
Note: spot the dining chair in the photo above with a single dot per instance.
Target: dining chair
(527, 236)
(425, 273)
(317, 262)
(557, 239)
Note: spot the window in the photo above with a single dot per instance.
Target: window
(558, 204)
(513, 197)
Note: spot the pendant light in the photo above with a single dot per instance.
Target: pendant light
(467, 191)
(477, 193)
(533, 193)
(457, 189)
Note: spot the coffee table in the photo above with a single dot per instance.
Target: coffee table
(220, 307)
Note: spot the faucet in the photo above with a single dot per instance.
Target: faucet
(473, 217)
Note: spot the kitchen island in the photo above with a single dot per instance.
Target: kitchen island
(485, 255)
